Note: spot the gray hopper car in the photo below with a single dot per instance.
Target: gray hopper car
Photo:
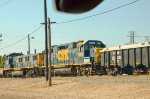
(126, 58)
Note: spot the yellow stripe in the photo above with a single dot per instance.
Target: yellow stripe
(28, 67)
(77, 64)
(17, 68)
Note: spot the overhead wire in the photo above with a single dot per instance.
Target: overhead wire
(104, 12)
(22, 38)
(5, 3)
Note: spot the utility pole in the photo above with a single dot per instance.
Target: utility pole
(28, 44)
(49, 51)
(29, 38)
(132, 37)
(1, 37)
(46, 45)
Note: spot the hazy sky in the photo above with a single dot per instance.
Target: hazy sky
(19, 18)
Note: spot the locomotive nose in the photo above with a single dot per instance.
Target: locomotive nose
(76, 6)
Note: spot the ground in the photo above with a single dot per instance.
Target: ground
(92, 87)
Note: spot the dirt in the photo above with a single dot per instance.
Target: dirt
(92, 87)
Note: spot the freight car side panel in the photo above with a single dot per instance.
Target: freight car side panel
(131, 57)
(112, 58)
(106, 59)
(102, 60)
(125, 57)
(137, 56)
(145, 56)
(119, 58)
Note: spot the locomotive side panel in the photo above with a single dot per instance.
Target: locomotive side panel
(67, 57)
(79, 57)
(27, 61)
(19, 62)
(40, 58)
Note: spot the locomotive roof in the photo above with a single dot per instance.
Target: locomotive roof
(129, 46)
(27, 55)
(73, 44)
(15, 54)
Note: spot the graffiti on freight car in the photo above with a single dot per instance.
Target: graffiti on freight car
(118, 58)
(63, 55)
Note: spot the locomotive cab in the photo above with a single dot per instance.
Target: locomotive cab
(10, 60)
(91, 50)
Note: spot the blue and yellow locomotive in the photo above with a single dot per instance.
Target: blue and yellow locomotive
(77, 58)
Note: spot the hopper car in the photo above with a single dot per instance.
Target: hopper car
(127, 59)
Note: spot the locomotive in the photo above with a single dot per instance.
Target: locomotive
(75, 58)
(17, 63)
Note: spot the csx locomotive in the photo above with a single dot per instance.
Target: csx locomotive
(82, 58)
(77, 58)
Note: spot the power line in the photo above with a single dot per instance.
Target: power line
(147, 38)
(70, 20)
(6, 3)
(22, 38)
(100, 13)
(132, 36)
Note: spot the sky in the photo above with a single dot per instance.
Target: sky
(18, 18)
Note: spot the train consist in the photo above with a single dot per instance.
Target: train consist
(82, 58)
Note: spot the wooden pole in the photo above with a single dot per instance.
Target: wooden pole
(49, 51)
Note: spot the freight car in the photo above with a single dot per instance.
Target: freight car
(126, 59)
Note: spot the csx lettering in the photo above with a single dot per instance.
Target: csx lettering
(63, 55)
